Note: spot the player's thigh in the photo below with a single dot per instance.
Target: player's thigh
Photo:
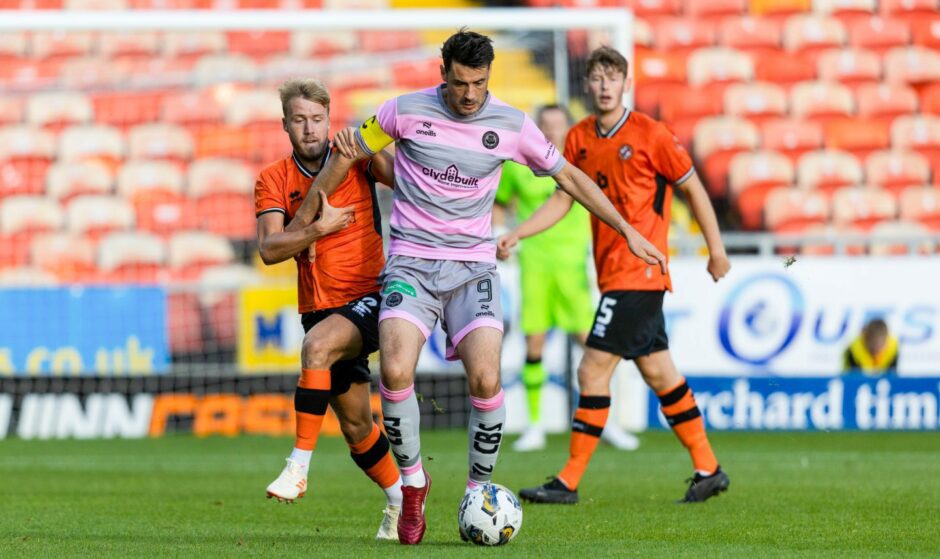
(535, 311)
(473, 317)
(400, 343)
(572, 308)
(353, 408)
(658, 370)
(330, 339)
(480, 352)
(595, 371)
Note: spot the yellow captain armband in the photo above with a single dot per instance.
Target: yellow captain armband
(372, 137)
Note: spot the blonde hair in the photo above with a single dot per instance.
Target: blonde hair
(310, 89)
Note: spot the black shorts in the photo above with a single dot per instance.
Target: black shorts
(630, 324)
(364, 314)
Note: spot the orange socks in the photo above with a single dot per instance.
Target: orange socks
(586, 428)
(310, 401)
(373, 456)
(684, 417)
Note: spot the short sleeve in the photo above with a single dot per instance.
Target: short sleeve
(507, 184)
(380, 130)
(670, 159)
(536, 152)
(267, 197)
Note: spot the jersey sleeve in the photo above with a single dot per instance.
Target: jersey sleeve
(670, 159)
(536, 152)
(507, 185)
(380, 130)
(267, 196)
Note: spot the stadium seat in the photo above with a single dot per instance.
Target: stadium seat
(13, 44)
(223, 191)
(95, 216)
(680, 36)
(783, 68)
(821, 101)
(25, 156)
(112, 44)
(192, 109)
(417, 73)
(55, 44)
(655, 73)
(124, 109)
(913, 65)
(716, 141)
(926, 32)
(92, 143)
(653, 10)
(223, 140)
(70, 258)
(388, 41)
(779, 9)
(21, 219)
(756, 101)
(909, 10)
(193, 44)
(850, 67)
(751, 176)
(31, 4)
(903, 229)
(921, 204)
(920, 133)
(26, 276)
(91, 73)
(66, 180)
(29, 74)
(858, 136)
(754, 36)
(878, 34)
(191, 252)
(719, 64)
(12, 110)
(257, 44)
(642, 38)
(835, 240)
(132, 257)
(846, 11)
(208, 176)
(930, 99)
(258, 105)
(790, 210)
(791, 137)
(862, 207)
(895, 170)
(305, 44)
(828, 170)
(140, 176)
(714, 10)
(885, 102)
(682, 108)
(159, 141)
(58, 109)
(218, 68)
(113, 5)
(809, 34)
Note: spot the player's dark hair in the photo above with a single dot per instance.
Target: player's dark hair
(606, 58)
(553, 107)
(467, 48)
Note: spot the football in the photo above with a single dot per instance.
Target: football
(489, 515)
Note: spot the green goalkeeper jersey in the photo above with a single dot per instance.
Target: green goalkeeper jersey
(568, 240)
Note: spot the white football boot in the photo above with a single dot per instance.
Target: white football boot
(291, 484)
(532, 439)
(388, 529)
(618, 438)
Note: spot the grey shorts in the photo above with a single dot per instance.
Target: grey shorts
(464, 296)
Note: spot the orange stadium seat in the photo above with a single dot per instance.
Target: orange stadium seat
(655, 73)
(225, 141)
(910, 10)
(193, 109)
(223, 190)
(719, 65)
(895, 170)
(755, 36)
(716, 141)
(55, 110)
(846, 11)
(53, 44)
(25, 156)
(124, 109)
(850, 67)
(789, 210)
(922, 205)
(132, 257)
(930, 99)
(193, 44)
(821, 101)
(155, 189)
(642, 38)
(21, 219)
(779, 9)
(904, 229)
(71, 258)
(756, 101)
(92, 143)
(258, 43)
(810, 34)
(66, 180)
(885, 102)
(920, 133)
(751, 176)
(714, 10)
(678, 36)
(791, 137)
(159, 141)
(304, 44)
(95, 216)
(828, 170)
(913, 65)
(926, 32)
(683, 107)
(192, 252)
(858, 136)
(783, 68)
(862, 207)
(878, 34)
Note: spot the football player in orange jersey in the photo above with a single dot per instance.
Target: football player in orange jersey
(339, 257)
(636, 161)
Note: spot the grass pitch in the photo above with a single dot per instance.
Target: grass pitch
(806, 494)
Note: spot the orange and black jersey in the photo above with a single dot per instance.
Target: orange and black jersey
(635, 164)
(347, 263)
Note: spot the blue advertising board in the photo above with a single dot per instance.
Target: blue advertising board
(83, 330)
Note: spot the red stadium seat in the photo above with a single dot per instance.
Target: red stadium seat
(846, 11)
(930, 99)
(919, 133)
(26, 276)
(160, 141)
(751, 176)
(225, 68)
(193, 44)
(755, 36)
(21, 219)
(100, 143)
(913, 65)
(683, 108)
(792, 138)
(258, 43)
(714, 10)
(132, 257)
(92, 73)
(305, 44)
(858, 136)
(720, 65)
(140, 176)
(128, 43)
(254, 106)
(388, 41)
(792, 210)
(927, 32)
(683, 35)
(416, 73)
(911, 10)
(821, 101)
(716, 141)
(903, 229)
(225, 141)
(53, 44)
(655, 73)
(25, 156)
(155, 189)
(862, 207)
(223, 192)
(785, 69)
(850, 67)
(113, 5)
(921, 205)
(652, 10)
(193, 109)
(66, 180)
(191, 252)
(828, 170)
(757, 101)
(56, 110)
(835, 237)
(878, 34)
(809, 34)
(29, 74)
(70, 258)
(127, 108)
(895, 170)
(12, 110)
(95, 216)
(885, 102)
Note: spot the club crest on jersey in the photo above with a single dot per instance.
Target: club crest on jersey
(490, 140)
(626, 152)
(394, 299)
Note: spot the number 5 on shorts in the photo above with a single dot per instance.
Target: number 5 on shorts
(605, 313)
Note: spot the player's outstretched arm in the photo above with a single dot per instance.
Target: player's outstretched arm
(548, 214)
(573, 181)
(275, 244)
(694, 192)
(330, 177)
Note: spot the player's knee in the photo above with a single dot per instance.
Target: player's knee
(484, 385)
(396, 375)
(356, 429)
(317, 353)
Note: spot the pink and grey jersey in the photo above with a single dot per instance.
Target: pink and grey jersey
(447, 170)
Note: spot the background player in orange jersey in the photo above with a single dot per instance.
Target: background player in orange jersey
(339, 257)
(636, 161)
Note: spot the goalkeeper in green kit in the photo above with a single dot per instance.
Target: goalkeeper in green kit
(555, 286)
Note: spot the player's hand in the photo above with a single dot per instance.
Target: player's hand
(505, 244)
(718, 266)
(333, 219)
(345, 142)
(645, 250)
